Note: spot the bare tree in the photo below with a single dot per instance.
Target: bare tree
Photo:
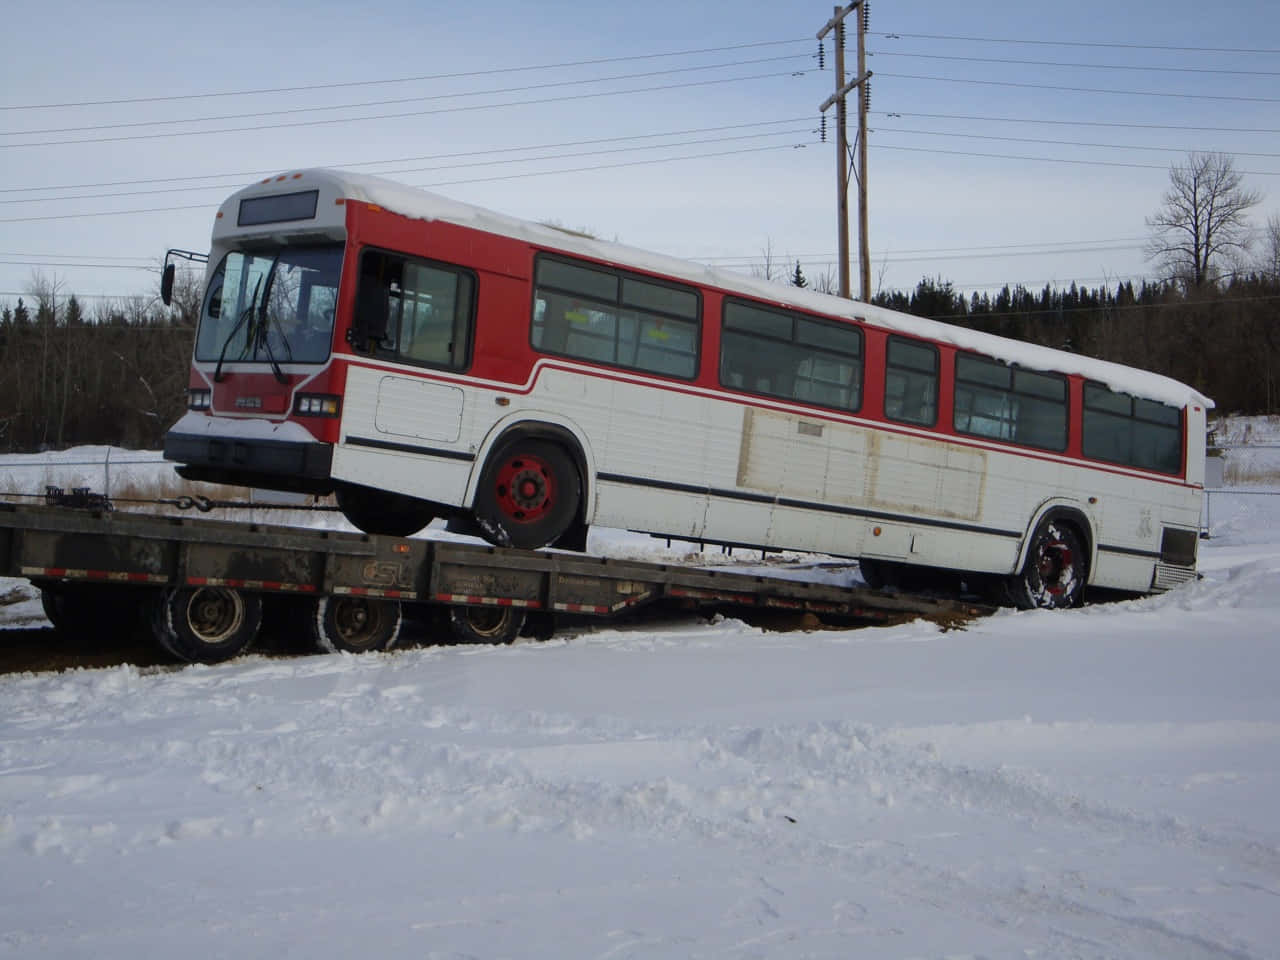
(826, 281)
(45, 292)
(1203, 221)
(1269, 261)
(770, 266)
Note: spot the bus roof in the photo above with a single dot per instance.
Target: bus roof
(424, 205)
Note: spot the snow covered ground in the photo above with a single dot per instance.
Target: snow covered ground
(1095, 783)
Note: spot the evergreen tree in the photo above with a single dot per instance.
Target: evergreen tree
(73, 317)
(798, 278)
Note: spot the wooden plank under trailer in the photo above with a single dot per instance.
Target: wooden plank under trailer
(198, 584)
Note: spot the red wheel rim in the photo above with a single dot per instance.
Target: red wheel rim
(1054, 565)
(525, 488)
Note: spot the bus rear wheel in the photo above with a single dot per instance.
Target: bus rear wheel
(1054, 574)
(381, 512)
(529, 495)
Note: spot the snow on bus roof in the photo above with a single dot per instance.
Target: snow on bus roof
(424, 205)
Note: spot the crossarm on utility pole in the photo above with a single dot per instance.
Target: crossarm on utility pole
(842, 90)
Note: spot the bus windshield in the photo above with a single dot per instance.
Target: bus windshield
(271, 306)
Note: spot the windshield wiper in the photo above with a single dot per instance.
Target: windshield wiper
(245, 314)
(262, 333)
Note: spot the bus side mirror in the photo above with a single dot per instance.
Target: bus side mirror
(166, 284)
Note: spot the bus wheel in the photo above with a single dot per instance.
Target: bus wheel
(206, 624)
(879, 574)
(354, 624)
(485, 624)
(380, 512)
(528, 496)
(1053, 576)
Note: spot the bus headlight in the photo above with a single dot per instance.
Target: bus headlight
(199, 399)
(317, 405)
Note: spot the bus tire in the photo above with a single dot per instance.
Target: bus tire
(206, 624)
(382, 512)
(485, 624)
(529, 494)
(879, 574)
(345, 624)
(1054, 574)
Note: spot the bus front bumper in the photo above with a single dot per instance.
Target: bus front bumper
(256, 453)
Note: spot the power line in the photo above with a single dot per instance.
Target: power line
(1080, 123)
(515, 176)
(96, 266)
(345, 164)
(887, 257)
(1066, 143)
(1049, 86)
(890, 35)
(433, 77)
(401, 100)
(1088, 163)
(1085, 66)
(880, 146)
(610, 166)
(1045, 246)
(70, 256)
(79, 296)
(410, 113)
(483, 163)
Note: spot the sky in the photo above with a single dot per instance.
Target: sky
(1010, 142)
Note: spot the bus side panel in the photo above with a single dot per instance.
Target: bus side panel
(391, 422)
(652, 446)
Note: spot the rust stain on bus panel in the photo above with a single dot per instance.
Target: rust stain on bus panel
(856, 466)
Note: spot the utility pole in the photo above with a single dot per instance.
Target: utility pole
(864, 104)
(836, 23)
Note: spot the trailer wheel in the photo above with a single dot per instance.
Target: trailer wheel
(380, 512)
(354, 624)
(206, 624)
(79, 610)
(485, 624)
(529, 495)
(1054, 574)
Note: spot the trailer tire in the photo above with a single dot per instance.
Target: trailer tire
(485, 624)
(345, 624)
(95, 610)
(1054, 574)
(206, 624)
(529, 494)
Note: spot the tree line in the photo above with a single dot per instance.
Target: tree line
(113, 374)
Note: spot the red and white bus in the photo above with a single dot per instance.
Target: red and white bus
(425, 358)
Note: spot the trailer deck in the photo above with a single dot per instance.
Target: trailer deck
(200, 583)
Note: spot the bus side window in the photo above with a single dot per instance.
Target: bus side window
(414, 311)
(911, 382)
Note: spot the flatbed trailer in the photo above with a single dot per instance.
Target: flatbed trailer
(200, 585)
